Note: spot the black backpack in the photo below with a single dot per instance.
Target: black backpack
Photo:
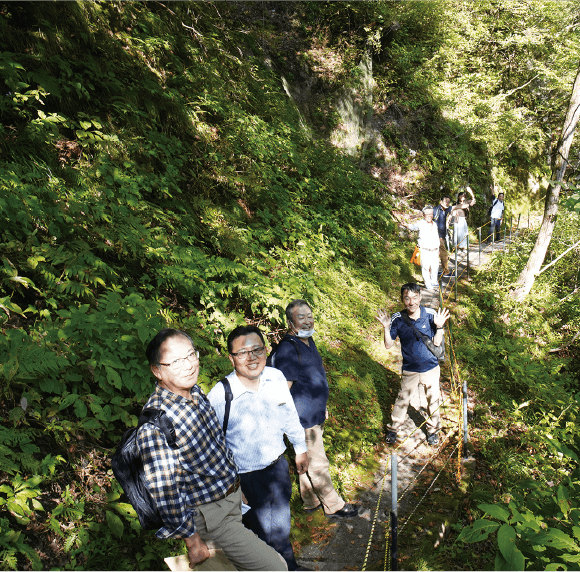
(127, 466)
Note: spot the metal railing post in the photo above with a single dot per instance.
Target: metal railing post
(511, 226)
(479, 229)
(467, 238)
(394, 511)
(465, 453)
(456, 270)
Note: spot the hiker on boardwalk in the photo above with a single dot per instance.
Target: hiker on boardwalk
(440, 216)
(459, 214)
(261, 412)
(196, 484)
(298, 359)
(496, 215)
(420, 366)
(429, 244)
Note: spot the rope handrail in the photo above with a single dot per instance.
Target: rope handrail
(429, 488)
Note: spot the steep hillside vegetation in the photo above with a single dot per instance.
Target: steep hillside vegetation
(154, 171)
(200, 165)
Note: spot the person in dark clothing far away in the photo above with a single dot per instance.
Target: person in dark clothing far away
(440, 215)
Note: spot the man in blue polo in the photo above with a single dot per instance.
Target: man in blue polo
(298, 359)
(420, 366)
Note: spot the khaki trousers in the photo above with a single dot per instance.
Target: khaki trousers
(443, 255)
(316, 485)
(221, 521)
(410, 381)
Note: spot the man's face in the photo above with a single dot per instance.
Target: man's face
(302, 318)
(412, 301)
(445, 202)
(500, 197)
(181, 375)
(248, 366)
(428, 214)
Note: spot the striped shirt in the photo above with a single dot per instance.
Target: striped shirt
(259, 419)
(199, 470)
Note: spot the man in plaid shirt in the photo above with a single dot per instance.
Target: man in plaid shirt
(195, 485)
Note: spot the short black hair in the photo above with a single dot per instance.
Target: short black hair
(445, 197)
(410, 287)
(153, 351)
(243, 331)
(292, 305)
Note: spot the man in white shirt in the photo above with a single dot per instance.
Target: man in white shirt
(261, 412)
(497, 208)
(429, 244)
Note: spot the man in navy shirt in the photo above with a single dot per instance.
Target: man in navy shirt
(440, 214)
(298, 359)
(420, 366)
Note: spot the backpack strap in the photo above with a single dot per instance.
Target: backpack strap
(229, 397)
(296, 345)
(158, 418)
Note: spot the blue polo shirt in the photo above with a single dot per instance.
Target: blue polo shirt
(416, 356)
(302, 364)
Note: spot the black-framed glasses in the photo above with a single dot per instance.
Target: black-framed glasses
(179, 363)
(245, 354)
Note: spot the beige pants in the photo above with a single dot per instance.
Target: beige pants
(443, 255)
(316, 485)
(410, 381)
(221, 521)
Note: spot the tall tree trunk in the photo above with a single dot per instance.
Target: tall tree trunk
(528, 275)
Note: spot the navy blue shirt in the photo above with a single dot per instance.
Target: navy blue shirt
(416, 356)
(442, 219)
(302, 364)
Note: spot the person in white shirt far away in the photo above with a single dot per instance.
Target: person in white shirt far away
(429, 244)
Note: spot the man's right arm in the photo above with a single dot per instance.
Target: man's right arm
(385, 320)
(197, 550)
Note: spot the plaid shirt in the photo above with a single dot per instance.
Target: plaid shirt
(199, 470)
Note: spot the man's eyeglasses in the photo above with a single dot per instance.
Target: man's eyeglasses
(245, 354)
(179, 363)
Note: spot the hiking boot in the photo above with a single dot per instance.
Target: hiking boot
(391, 438)
(433, 439)
(347, 511)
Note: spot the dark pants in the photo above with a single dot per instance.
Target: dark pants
(495, 227)
(268, 492)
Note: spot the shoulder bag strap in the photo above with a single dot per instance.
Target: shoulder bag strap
(158, 418)
(407, 320)
(229, 397)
